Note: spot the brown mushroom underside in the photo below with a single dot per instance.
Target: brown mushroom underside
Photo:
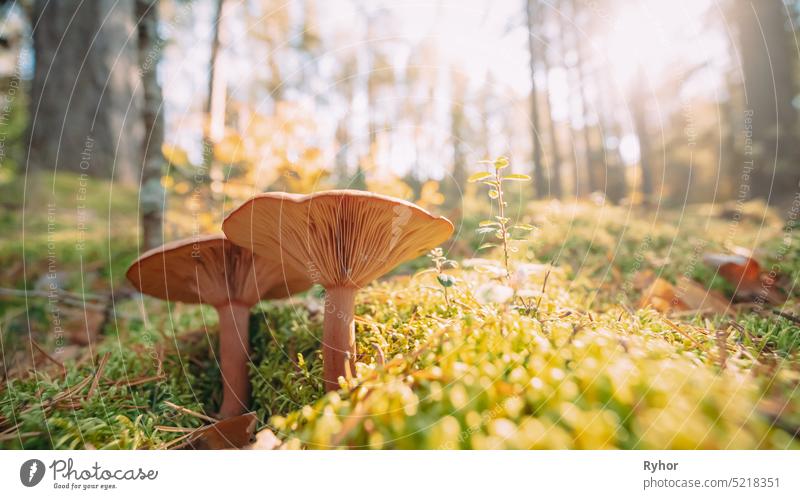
(213, 271)
(342, 240)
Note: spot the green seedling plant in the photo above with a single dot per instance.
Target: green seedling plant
(502, 225)
(441, 263)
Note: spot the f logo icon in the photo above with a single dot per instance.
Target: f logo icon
(31, 472)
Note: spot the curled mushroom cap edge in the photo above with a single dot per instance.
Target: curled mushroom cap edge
(214, 271)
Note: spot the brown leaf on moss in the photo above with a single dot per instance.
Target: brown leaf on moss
(696, 297)
(686, 296)
(745, 273)
(231, 433)
(662, 296)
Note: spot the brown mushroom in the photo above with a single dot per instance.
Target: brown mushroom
(213, 271)
(342, 240)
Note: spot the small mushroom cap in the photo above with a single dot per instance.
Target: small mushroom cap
(339, 238)
(212, 270)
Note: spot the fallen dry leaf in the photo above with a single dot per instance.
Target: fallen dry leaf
(697, 297)
(231, 433)
(744, 272)
(661, 296)
(687, 295)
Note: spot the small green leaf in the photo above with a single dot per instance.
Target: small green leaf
(445, 280)
(487, 223)
(517, 177)
(524, 227)
(501, 162)
(493, 194)
(486, 246)
(485, 230)
(477, 177)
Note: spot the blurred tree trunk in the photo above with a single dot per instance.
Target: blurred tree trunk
(555, 153)
(152, 197)
(639, 101)
(591, 169)
(536, 145)
(348, 67)
(616, 182)
(485, 107)
(577, 178)
(215, 43)
(457, 129)
(768, 65)
(359, 180)
(731, 159)
(85, 110)
(612, 172)
(214, 108)
(342, 141)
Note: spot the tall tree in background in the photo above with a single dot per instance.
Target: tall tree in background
(84, 108)
(214, 107)
(609, 172)
(591, 168)
(370, 18)
(423, 79)
(152, 196)
(616, 187)
(639, 107)
(345, 85)
(536, 145)
(552, 130)
(272, 31)
(486, 105)
(457, 131)
(768, 64)
(563, 45)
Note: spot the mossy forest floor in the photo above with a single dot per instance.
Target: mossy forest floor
(567, 353)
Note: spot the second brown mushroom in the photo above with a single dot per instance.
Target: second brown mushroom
(213, 271)
(342, 240)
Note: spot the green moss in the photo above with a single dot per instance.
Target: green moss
(493, 378)
(576, 367)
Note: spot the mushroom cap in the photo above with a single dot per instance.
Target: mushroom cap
(212, 270)
(338, 238)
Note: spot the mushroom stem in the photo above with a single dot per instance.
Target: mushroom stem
(338, 336)
(234, 354)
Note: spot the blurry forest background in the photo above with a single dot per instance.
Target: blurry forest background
(130, 122)
(655, 132)
(189, 107)
(198, 101)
